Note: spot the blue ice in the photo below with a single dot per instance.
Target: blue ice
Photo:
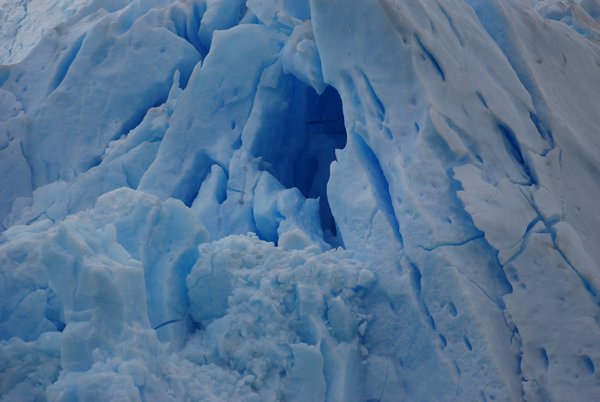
(297, 200)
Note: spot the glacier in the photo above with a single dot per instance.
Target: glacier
(299, 200)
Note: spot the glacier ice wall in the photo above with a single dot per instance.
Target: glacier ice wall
(300, 200)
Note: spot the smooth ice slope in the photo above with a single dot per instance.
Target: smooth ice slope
(298, 200)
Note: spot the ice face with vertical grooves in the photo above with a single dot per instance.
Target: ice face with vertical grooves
(330, 200)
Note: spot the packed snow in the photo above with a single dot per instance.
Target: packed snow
(294, 200)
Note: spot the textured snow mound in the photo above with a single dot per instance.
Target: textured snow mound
(333, 200)
(258, 322)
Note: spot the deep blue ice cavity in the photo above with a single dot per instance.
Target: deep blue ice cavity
(300, 154)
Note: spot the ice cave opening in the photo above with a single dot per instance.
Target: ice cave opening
(300, 153)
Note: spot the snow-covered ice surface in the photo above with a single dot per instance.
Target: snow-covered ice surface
(270, 200)
(24, 22)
